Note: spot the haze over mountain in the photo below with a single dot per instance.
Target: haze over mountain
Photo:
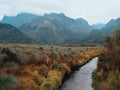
(10, 34)
(19, 19)
(98, 26)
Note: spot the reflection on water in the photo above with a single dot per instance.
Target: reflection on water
(81, 79)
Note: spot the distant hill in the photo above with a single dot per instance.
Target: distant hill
(10, 34)
(111, 26)
(98, 26)
(56, 28)
(19, 19)
(99, 36)
(93, 37)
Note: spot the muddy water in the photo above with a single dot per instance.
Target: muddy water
(81, 79)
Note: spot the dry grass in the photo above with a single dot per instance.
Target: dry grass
(41, 67)
(107, 74)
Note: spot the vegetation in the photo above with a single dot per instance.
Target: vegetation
(8, 82)
(107, 74)
(33, 67)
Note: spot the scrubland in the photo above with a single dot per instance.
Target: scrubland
(107, 74)
(34, 67)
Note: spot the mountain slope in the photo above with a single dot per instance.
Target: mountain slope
(55, 28)
(93, 37)
(10, 34)
(111, 26)
(108, 29)
(19, 19)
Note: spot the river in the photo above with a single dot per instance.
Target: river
(81, 79)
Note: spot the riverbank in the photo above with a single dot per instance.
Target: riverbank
(81, 79)
(73, 69)
(40, 67)
(107, 74)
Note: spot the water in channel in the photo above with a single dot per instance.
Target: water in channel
(81, 79)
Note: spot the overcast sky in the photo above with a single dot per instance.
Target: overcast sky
(94, 11)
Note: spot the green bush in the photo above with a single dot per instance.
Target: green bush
(9, 64)
(47, 85)
(8, 82)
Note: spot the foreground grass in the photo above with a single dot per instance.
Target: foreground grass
(107, 74)
(33, 67)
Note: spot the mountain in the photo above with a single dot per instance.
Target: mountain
(111, 26)
(18, 20)
(93, 37)
(99, 36)
(77, 25)
(98, 26)
(10, 34)
(56, 28)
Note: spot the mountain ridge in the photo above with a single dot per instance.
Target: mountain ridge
(19, 19)
(108, 29)
(10, 34)
(57, 28)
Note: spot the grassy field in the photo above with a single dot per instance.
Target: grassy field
(34, 67)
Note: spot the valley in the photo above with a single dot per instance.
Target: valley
(42, 52)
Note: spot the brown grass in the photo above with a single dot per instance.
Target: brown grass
(41, 67)
(107, 74)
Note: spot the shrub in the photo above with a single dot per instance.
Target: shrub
(43, 70)
(10, 55)
(108, 67)
(47, 85)
(116, 84)
(8, 82)
(8, 64)
(26, 83)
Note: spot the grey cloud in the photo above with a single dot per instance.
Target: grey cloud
(92, 10)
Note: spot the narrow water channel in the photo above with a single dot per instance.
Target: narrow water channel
(81, 79)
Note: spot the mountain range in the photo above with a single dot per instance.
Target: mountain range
(98, 36)
(19, 19)
(56, 28)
